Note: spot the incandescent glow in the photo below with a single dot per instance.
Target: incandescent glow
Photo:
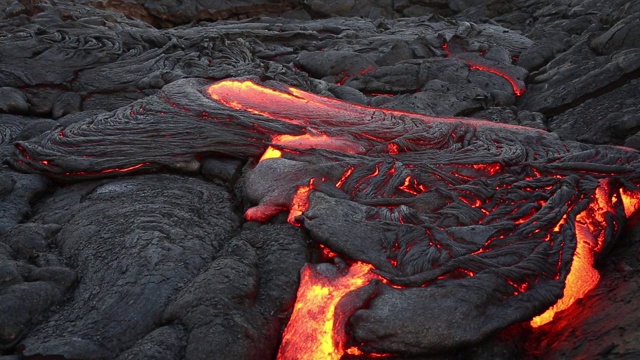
(630, 201)
(582, 277)
(314, 330)
(518, 87)
(300, 202)
(344, 177)
(234, 94)
(271, 153)
(109, 171)
(262, 213)
(299, 107)
(412, 186)
(491, 168)
(321, 141)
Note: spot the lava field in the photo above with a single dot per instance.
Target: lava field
(262, 179)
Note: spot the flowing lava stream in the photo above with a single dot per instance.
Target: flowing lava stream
(589, 229)
(315, 331)
(380, 156)
(304, 108)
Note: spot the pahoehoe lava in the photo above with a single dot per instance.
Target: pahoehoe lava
(436, 205)
(319, 180)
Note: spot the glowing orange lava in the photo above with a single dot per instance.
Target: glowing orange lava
(582, 277)
(300, 202)
(271, 153)
(315, 331)
(630, 201)
(304, 108)
(320, 141)
(492, 168)
(344, 177)
(412, 186)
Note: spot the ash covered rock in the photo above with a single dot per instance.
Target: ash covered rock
(165, 343)
(606, 119)
(32, 277)
(452, 320)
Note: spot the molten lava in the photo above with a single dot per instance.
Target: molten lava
(310, 332)
(300, 202)
(452, 199)
(271, 153)
(581, 279)
(590, 232)
(299, 107)
(112, 170)
(630, 201)
(412, 186)
(518, 86)
(315, 331)
(320, 141)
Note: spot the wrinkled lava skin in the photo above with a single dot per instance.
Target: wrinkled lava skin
(471, 225)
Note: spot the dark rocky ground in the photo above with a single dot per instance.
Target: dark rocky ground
(163, 266)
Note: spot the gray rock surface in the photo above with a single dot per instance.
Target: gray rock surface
(169, 229)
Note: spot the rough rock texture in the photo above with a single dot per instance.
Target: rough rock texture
(608, 316)
(160, 266)
(238, 305)
(127, 269)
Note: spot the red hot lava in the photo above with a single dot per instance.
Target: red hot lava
(557, 204)
(477, 62)
(303, 108)
(590, 240)
(315, 330)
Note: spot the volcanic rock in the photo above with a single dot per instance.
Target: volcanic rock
(131, 137)
(127, 268)
(231, 308)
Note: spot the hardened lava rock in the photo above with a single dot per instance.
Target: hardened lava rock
(470, 227)
(163, 237)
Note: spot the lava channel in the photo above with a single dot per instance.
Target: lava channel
(316, 330)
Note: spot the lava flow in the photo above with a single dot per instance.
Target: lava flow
(315, 331)
(590, 234)
(518, 86)
(300, 202)
(428, 205)
(299, 107)
(477, 62)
